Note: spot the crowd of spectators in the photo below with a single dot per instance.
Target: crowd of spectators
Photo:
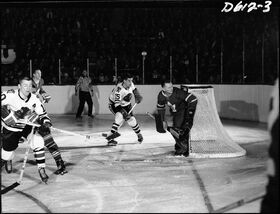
(197, 45)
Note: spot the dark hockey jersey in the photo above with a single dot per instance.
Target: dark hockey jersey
(177, 101)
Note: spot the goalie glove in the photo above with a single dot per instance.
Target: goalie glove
(138, 97)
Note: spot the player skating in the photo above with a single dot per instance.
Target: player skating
(45, 132)
(120, 106)
(18, 104)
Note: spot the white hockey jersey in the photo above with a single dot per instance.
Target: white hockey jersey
(121, 96)
(15, 102)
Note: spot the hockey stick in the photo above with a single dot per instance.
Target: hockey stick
(54, 129)
(70, 133)
(238, 203)
(152, 116)
(26, 122)
(132, 108)
(17, 183)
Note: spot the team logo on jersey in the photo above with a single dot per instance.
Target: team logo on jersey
(173, 107)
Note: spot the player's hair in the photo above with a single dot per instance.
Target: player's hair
(21, 78)
(125, 76)
(37, 69)
(163, 81)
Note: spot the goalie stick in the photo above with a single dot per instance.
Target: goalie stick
(17, 183)
(238, 203)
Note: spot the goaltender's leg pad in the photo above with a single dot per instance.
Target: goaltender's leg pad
(159, 124)
(113, 136)
(183, 144)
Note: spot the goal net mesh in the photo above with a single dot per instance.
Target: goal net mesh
(208, 137)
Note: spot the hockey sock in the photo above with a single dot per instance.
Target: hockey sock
(52, 147)
(115, 127)
(39, 155)
(136, 128)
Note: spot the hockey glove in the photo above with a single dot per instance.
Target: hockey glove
(19, 114)
(40, 97)
(138, 97)
(124, 113)
(46, 97)
(5, 111)
(7, 117)
(45, 128)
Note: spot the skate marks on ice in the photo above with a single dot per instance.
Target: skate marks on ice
(132, 177)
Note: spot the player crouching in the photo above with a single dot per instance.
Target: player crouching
(182, 106)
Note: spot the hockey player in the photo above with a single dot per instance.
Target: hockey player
(37, 86)
(18, 104)
(182, 105)
(37, 83)
(120, 105)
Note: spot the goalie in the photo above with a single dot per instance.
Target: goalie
(182, 106)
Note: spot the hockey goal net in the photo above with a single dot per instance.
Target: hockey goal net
(208, 137)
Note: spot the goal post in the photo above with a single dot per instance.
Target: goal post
(208, 137)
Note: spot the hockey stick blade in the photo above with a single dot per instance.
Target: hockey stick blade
(9, 188)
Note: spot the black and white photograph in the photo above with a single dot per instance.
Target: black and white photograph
(140, 106)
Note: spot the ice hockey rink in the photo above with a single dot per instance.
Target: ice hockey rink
(138, 178)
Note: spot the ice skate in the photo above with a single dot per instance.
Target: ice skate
(112, 143)
(140, 138)
(43, 174)
(8, 165)
(61, 169)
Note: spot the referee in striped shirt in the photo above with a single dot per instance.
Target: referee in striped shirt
(84, 87)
